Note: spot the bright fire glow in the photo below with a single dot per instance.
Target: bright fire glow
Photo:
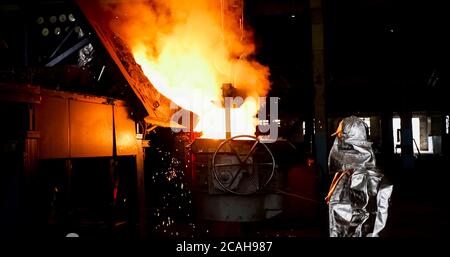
(188, 49)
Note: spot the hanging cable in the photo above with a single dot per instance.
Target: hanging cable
(222, 19)
(222, 34)
(297, 196)
(241, 57)
(241, 21)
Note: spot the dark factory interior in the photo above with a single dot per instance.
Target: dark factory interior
(98, 140)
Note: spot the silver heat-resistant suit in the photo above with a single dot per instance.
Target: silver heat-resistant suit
(359, 194)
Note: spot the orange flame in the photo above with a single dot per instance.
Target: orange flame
(188, 49)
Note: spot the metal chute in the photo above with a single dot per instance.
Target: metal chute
(156, 105)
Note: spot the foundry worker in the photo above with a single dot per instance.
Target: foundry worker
(359, 195)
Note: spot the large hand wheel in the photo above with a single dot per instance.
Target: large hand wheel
(255, 172)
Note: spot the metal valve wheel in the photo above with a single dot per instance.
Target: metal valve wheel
(246, 173)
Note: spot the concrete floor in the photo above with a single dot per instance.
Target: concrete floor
(419, 207)
(420, 200)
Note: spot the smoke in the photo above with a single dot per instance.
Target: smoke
(188, 49)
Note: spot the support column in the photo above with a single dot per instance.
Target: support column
(68, 203)
(407, 140)
(446, 137)
(141, 189)
(68, 178)
(375, 131)
(423, 133)
(34, 215)
(320, 140)
(114, 180)
(437, 129)
(309, 134)
(387, 140)
(31, 153)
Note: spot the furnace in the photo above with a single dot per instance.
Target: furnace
(236, 179)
